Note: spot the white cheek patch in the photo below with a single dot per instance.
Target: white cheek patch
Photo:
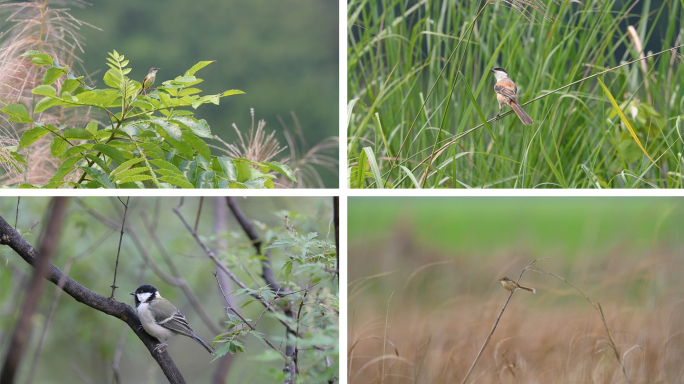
(142, 297)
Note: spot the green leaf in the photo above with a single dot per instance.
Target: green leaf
(197, 67)
(52, 75)
(228, 168)
(78, 133)
(71, 83)
(92, 127)
(233, 92)
(58, 146)
(152, 148)
(29, 137)
(163, 164)
(629, 150)
(244, 171)
(257, 183)
(110, 151)
(173, 131)
(197, 143)
(624, 120)
(374, 167)
(282, 169)
(131, 179)
(142, 104)
(77, 149)
(99, 161)
(46, 103)
(100, 177)
(177, 181)
(200, 128)
(205, 179)
(184, 79)
(189, 170)
(129, 172)
(18, 113)
(126, 164)
(39, 58)
(113, 79)
(189, 91)
(44, 90)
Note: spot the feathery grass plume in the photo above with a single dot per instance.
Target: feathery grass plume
(262, 147)
(526, 7)
(304, 160)
(35, 25)
(259, 145)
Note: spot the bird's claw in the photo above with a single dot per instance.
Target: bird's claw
(160, 346)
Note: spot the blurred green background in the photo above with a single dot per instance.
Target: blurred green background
(91, 341)
(481, 239)
(282, 54)
(475, 226)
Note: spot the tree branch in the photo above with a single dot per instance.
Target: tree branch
(21, 332)
(267, 274)
(123, 312)
(225, 269)
(123, 225)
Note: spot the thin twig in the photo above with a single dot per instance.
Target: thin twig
(123, 225)
(199, 213)
(117, 355)
(243, 319)
(225, 269)
(16, 218)
(599, 309)
(180, 281)
(484, 345)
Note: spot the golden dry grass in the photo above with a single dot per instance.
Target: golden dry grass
(439, 316)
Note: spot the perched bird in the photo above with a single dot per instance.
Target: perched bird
(149, 79)
(507, 93)
(511, 285)
(160, 318)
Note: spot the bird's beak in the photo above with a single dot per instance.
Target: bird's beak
(491, 70)
(131, 293)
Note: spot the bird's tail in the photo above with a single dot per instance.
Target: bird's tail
(520, 286)
(524, 117)
(206, 345)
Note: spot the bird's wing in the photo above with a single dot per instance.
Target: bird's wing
(177, 322)
(507, 89)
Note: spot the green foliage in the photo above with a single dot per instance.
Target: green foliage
(308, 290)
(137, 149)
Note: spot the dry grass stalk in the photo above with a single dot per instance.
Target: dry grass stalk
(489, 337)
(547, 338)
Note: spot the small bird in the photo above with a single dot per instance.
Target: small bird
(149, 80)
(511, 285)
(507, 93)
(160, 318)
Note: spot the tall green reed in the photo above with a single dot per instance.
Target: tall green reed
(397, 52)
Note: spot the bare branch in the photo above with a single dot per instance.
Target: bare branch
(124, 312)
(16, 218)
(123, 225)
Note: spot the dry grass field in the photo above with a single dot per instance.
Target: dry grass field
(419, 313)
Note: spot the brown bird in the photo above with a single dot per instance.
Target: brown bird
(511, 285)
(507, 93)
